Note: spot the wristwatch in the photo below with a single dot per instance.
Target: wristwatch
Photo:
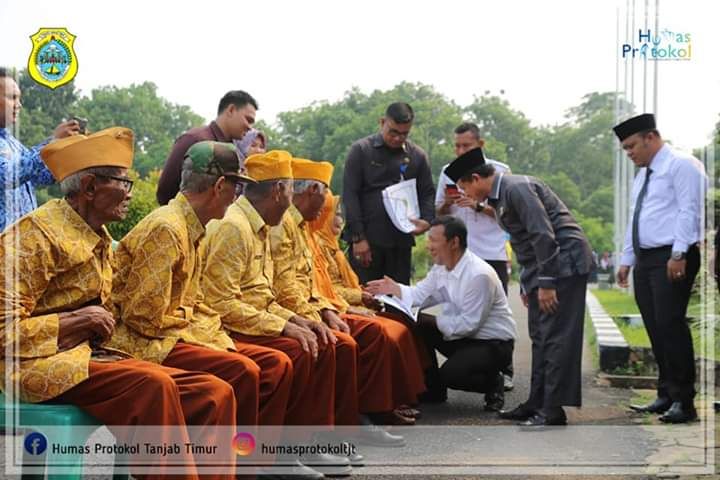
(678, 255)
(479, 207)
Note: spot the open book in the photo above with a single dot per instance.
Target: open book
(401, 204)
(398, 304)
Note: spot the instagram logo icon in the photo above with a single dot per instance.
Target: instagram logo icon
(243, 444)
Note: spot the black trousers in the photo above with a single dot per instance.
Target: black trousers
(472, 365)
(557, 342)
(663, 305)
(500, 267)
(393, 262)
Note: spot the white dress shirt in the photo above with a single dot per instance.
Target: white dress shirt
(485, 238)
(673, 208)
(475, 305)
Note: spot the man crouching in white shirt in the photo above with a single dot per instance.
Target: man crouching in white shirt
(475, 331)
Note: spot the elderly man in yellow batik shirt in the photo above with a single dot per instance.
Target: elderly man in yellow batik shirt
(55, 283)
(363, 379)
(341, 286)
(163, 316)
(237, 281)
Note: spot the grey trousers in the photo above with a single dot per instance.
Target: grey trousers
(557, 343)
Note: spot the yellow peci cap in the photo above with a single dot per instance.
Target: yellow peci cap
(309, 170)
(271, 165)
(112, 147)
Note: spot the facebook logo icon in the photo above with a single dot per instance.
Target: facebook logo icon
(35, 443)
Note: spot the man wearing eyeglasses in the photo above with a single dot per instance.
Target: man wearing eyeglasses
(374, 163)
(56, 287)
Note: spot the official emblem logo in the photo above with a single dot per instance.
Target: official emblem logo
(52, 61)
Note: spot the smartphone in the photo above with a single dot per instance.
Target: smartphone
(82, 122)
(451, 189)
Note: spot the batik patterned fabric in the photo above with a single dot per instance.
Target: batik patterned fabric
(53, 262)
(156, 288)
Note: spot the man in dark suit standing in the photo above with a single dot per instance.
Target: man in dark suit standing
(556, 260)
(374, 163)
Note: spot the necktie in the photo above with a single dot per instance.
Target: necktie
(636, 214)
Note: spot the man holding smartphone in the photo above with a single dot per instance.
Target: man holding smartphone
(485, 238)
(21, 168)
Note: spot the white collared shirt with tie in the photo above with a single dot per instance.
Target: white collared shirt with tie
(474, 302)
(673, 209)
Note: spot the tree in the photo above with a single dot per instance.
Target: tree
(600, 204)
(598, 233)
(325, 131)
(508, 135)
(43, 108)
(156, 121)
(564, 188)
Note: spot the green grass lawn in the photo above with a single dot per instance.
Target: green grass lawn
(618, 303)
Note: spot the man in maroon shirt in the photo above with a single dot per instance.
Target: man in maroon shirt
(236, 114)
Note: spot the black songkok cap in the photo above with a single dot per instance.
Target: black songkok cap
(465, 163)
(634, 125)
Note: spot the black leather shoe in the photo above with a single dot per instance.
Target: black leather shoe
(377, 437)
(660, 405)
(521, 412)
(330, 465)
(679, 414)
(495, 400)
(541, 420)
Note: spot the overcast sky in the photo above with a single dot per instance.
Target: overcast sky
(545, 55)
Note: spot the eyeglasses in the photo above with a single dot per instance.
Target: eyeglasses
(126, 182)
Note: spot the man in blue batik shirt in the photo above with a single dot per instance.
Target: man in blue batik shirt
(21, 168)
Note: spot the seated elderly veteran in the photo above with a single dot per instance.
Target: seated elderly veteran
(162, 315)
(341, 286)
(237, 282)
(363, 378)
(55, 284)
(475, 330)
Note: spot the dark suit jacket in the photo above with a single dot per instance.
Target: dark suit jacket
(547, 240)
(370, 167)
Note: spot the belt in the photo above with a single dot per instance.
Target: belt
(663, 248)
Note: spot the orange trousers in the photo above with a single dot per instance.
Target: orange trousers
(408, 378)
(134, 392)
(346, 379)
(374, 364)
(261, 378)
(312, 396)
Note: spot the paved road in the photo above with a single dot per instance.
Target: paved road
(603, 439)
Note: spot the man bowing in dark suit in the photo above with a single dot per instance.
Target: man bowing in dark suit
(556, 258)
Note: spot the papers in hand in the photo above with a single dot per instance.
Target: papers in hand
(401, 204)
(398, 304)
